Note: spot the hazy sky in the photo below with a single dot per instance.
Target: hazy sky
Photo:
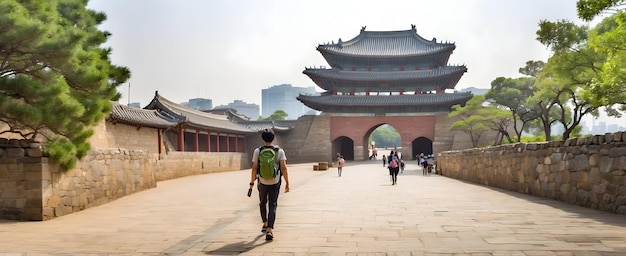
(226, 50)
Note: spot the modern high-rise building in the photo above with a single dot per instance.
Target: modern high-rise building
(250, 110)
(200, 104)
(134, 105)
(284, 97)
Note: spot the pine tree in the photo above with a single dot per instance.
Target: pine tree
(56, 79)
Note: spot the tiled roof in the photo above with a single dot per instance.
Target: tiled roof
(261, 125)
(389, 100)
(387, 43)
(139, 117)
(194, 117)
(385, 76)
(230, 113)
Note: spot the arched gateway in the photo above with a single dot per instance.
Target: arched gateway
(386, 77)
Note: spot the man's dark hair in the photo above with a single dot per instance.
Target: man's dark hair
(267, 135)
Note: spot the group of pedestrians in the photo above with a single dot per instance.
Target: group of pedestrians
(395, 164)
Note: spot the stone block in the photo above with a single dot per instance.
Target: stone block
(53, 201)
(594, 160)
(34, 152)
(14, 152)
(606, 164)
(608, 137)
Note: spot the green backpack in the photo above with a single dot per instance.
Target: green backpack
(267, 162)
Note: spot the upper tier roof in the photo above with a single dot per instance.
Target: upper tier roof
(385, 76)
(387, 44)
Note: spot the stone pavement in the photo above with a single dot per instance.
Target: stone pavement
(360, 213)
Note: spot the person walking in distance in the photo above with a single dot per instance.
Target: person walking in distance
(389, 166)
(394, 165)
(340, 162)
(423, 163)
(384, 160)
(265, 160)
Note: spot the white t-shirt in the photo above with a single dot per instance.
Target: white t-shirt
(280, 156)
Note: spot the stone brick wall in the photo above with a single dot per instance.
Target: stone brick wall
(21, 173)
(589, 172)
(32, 188)
(124, 160)
(103, 175)
(309, 141)
(111, 135)
(180, 164)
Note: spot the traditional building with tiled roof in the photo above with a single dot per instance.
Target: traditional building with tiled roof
(386, 72)
(200, 131)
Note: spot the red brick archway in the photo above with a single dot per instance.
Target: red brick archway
(359, 128)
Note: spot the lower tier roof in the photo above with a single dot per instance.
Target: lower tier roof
(389, 103)
(442, 78)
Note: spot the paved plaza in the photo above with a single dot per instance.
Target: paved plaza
(360, 213)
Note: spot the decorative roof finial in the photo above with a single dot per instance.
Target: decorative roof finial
(363, 28)
(413, 27)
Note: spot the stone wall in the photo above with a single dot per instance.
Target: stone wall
(34, 188)
(589, 172)
(309, 141)
(124, 160)
(20, 180)
(180, 164)
(116, 135)
(103, 175)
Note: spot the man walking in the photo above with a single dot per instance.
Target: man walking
(340, 163)
(268, 186)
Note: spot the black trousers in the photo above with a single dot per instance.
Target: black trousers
(268, 202)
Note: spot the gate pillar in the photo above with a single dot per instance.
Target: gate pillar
(359, 152)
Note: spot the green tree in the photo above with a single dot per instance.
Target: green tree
(56, 81)
(608, 39)
(276, 116)
(512, 94)
(532, 68)
(588, 9)
(471, 120)
(385, 136)
(498, 120)
(569, 75)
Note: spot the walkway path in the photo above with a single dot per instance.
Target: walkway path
(360, 213)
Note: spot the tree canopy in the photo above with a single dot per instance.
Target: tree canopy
(385, 136)
(475, 119)
(277, 115)
(56, 79)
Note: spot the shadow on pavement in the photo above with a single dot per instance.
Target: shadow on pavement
(238, 247)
